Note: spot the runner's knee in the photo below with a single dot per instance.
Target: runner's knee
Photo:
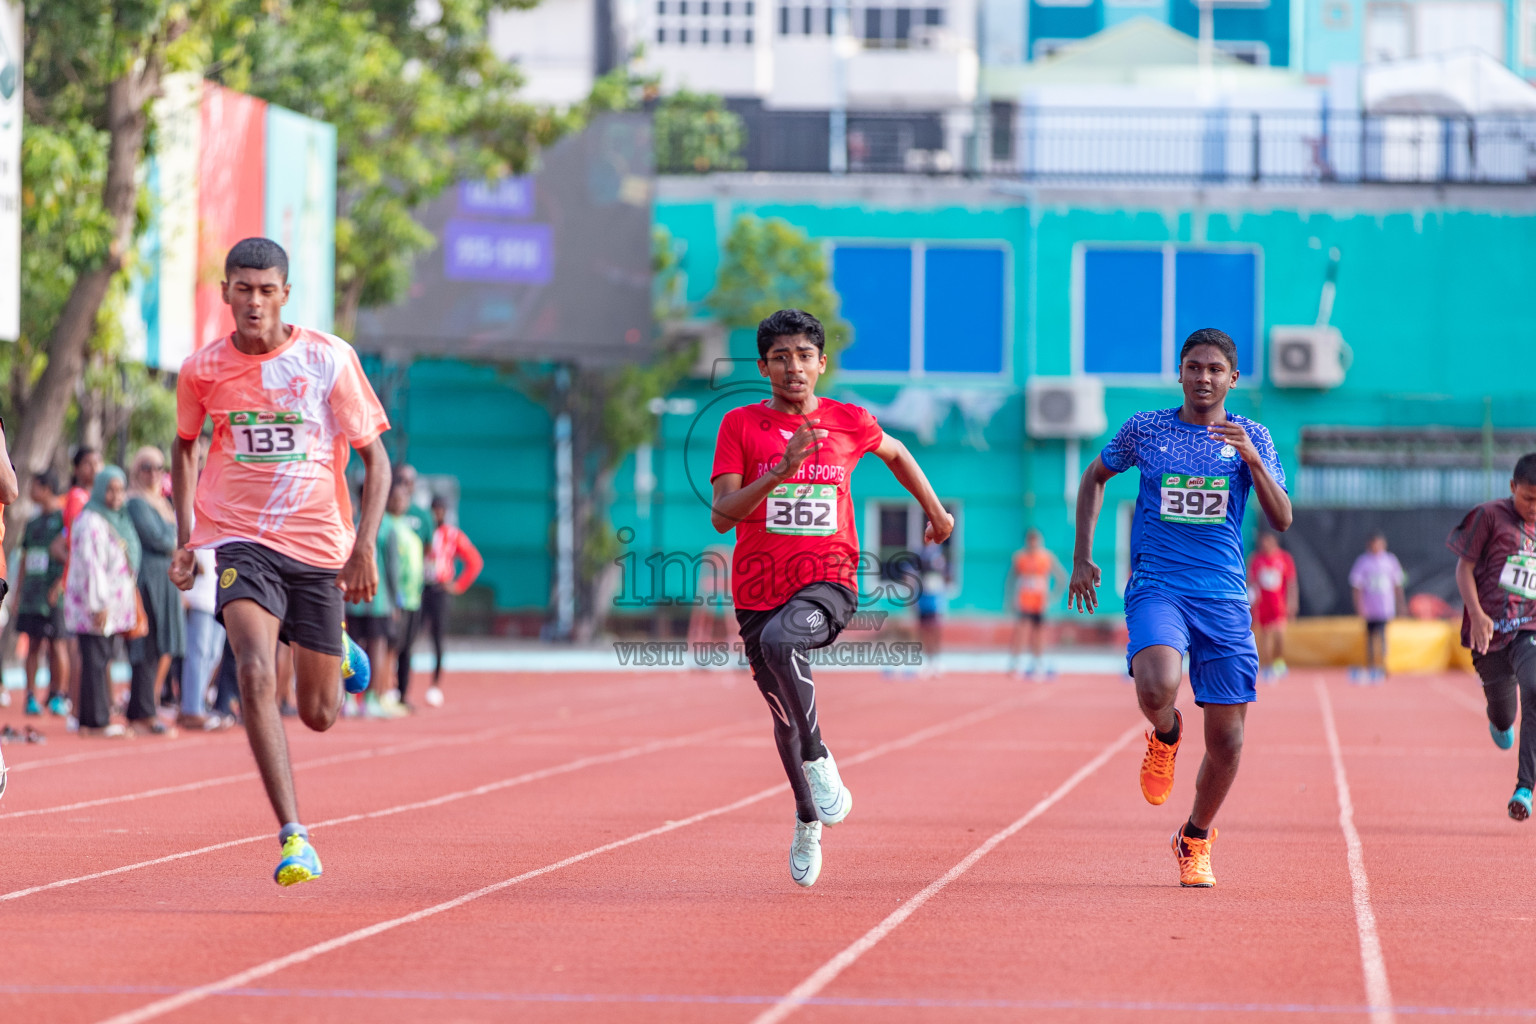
(317, 715)
(257, 678)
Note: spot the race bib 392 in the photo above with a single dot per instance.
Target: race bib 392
(1194, 499)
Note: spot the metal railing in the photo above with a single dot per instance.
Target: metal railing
(1162, 146)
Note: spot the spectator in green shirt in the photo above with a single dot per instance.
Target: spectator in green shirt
(44, 550)
(411, 553)
(372, 624)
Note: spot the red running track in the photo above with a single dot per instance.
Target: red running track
(612, 848)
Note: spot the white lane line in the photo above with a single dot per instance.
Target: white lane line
(1377, 992)
(827, 972)
(1466, 701)
(190, 741)
(463, 794)
(192, 995)
(424, 743)
(185, 743)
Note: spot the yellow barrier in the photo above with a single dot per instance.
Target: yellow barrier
(1413, 645)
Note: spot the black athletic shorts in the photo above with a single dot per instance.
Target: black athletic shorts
(303, 597)
(1375, 626)
(1037, 618)
(42, 627)
(371, 627)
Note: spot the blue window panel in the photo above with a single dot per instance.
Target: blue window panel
(875, 285)
(1216, 289)
(963, 302)
(1123, 311)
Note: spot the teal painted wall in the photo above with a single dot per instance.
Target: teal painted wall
(1434, 301)
(469, 422)
(1419, 291)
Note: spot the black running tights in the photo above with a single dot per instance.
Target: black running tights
(1509, 682)
(776, 641)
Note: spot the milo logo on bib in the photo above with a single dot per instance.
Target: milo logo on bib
(1193, 499)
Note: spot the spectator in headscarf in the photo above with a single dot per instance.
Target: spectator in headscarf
(151, 655)
(99, 600)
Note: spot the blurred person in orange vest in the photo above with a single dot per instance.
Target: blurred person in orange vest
(1031, 577)
(449, 550)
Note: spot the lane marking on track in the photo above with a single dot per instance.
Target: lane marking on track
(463, 794)
(194, 740)
(410, 746)
(1377, 992)
(98, 755)
(828, 972)
(238, 980)
(1137, 1006)
(1456, 696)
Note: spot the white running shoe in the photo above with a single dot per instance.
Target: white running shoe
(433, 697)
(818, 848)
(805, 853)
(832, 799)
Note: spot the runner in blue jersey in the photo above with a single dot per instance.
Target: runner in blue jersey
(1188, 591)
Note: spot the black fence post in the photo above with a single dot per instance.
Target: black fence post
(1255, 123)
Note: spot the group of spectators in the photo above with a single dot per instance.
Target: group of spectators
(422, 559)
(94, 574)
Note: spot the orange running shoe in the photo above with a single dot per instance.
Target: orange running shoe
(1194, 857)
(1157, 766)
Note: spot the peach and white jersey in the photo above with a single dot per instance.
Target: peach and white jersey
(282, 423)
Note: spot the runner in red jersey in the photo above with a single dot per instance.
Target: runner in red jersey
(288, 405)
(1272, 574)
(781, 480)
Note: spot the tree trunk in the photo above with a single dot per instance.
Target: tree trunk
(37, 436)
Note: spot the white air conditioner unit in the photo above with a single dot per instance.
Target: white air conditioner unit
(1071, 407)
(1307, 357)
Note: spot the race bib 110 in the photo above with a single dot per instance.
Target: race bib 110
(803, 510)
(269, 436)
(1194, 499)
(1519, 576)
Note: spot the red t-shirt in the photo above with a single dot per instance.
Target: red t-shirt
(1272, 575)
(1499, 544)
(803, 533)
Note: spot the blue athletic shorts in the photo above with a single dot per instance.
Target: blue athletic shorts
(1216, 633)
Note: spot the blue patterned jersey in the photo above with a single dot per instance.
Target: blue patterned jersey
(1187, 530)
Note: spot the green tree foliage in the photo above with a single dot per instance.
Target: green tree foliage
(768, 264)
(91, 69)
(418, 104)
(696, 134)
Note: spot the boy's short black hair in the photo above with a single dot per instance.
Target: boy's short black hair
(81, 454)
(1214, 337)
(438, 501)
(256, 254)
(1525, 469)
(49, 481)
(787, 323)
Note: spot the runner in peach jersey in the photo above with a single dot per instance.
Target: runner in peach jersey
(286, 402)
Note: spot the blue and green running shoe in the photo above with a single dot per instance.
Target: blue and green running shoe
(300, 863)
(1520, 804)
(33, 707)
(356, 671)
(1502, 738)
